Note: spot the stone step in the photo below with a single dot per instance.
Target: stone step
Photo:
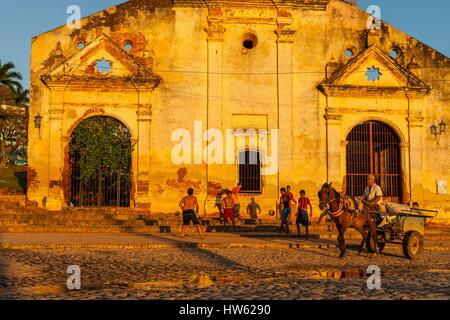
(81, 229)
(17, 228)
(71, 222)
(71, 218)
(9, 214)
(15, 215)
(31, 210)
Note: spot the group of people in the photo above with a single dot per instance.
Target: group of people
(229, 207)
(288, 204)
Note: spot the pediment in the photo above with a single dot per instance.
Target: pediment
(373, 72)
(102, 60)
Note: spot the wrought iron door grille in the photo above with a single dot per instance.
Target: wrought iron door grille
(250, 171)
(374, 148)
(107, 189)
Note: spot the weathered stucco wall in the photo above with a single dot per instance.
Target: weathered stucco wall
(199, 71)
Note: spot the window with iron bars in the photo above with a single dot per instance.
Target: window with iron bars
(250, 171)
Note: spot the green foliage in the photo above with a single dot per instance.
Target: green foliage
(13, 124)
(13, 138)
(21, 97)
(101, 143)
(9, 77)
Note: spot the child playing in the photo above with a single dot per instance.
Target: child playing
(302, 213)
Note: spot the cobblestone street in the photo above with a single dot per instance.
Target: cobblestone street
(221, 273)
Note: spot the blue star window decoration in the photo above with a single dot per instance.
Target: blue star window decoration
(373, 74)
(103, 66)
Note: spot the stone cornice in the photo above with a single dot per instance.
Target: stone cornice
(56, 114)
(333, 117)
(416, 120)
(364, 109)
(332, 90)
(144, 115)
(296, 4)
(101, 83)
(106, 105)
(215, 34)
(286, 35)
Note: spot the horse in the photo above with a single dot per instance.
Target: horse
(344, 212)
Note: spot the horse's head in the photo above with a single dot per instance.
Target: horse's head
(326, 195)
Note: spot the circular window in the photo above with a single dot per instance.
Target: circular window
(249, 44)
(80, 45)
(395, 53)
(128, 46)
(250, 41)
(349, 52)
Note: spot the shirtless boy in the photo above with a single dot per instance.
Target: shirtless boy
(228, 207)
(189, 205)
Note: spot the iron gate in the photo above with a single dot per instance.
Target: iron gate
(374, 148)
(107, 187)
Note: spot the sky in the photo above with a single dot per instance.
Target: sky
(21, 20)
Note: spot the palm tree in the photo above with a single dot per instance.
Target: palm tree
(21, 97)
(9, 77)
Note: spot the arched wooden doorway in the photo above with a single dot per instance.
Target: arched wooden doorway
(100, 163)
(374, 148)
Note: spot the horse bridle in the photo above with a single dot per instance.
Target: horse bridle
(341, 204)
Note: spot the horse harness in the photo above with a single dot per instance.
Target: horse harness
(345, 205)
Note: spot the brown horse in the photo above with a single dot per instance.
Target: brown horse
(344, 213)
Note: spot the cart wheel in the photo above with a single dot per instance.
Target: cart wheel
(412, 244)
(370, 243)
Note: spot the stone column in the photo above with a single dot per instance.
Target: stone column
(416, 127)
(55, 199)
(343, 165)
(215, 108)
(285, 93)
(334, 149)
(404, 152)
(142, 155)
(215, 76)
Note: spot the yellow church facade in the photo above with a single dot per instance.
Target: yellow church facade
(333, 97)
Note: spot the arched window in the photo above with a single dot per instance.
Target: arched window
(250, 171)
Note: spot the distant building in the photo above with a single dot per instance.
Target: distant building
(6, 96)
(7, 105)
(349, 98)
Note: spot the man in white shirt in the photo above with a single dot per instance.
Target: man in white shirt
(373, 193)
(374, 196)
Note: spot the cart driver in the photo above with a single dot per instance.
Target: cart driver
(373, 193)
(374, 196)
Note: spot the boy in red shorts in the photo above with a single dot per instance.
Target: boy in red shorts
(302, 213)
(228, 208)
